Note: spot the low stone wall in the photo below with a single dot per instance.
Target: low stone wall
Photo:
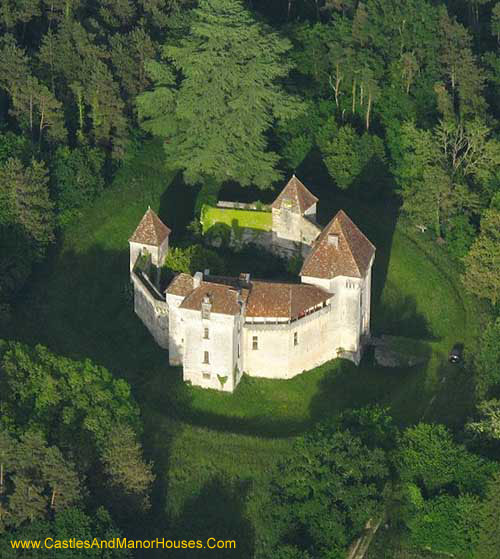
(242, 205)
(151, 309)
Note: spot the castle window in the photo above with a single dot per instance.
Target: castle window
(255, 342)
(205, 312)
(205, 334)
(295, 338)
(206, 376)
(206, 358)
(206, 306)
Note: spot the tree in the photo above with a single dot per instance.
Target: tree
(25, 201)
(488, 425)
(124, 464)
(428, 457)
(447, 525)
(460, 68)
(483, 260)
(215, 123)
(194, 258)
(38, 479)
(75, 403)
(489, 533)
(348, 155)
(33, 104)
(129, 54)
(441, 172)
(495, 21)
(486, 360)
(327, 490)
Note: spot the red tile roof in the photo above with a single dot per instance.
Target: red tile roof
(151, 230)
(297, 195)
(182, 284)
(283, 300)
(350, 258)
(224, 298)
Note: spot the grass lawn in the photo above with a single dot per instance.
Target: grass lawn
(251, 219)
(210, 449)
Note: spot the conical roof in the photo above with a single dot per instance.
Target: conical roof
(298, 196)
(151, 230)
(340, 250)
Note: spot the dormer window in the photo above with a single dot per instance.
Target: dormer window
(333, 239)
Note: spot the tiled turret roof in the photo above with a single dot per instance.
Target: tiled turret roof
(151, 230)
(297, 195)
(340, 250)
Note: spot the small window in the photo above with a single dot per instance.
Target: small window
(255, 342)
(206, 376)
(206, 357)
(205, 334)
(295, 338)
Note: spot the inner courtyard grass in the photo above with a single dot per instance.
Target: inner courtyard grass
(251, 219)
(205, 442)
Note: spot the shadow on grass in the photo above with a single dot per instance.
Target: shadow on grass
(398, 315)
(177, 206)
(352, 386)
(217, 511)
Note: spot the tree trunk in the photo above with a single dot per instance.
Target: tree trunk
(1, 479)
(289, 9)
(53, 498)
(368, 108)
(353, 95)
(31, 116)
(41, 128)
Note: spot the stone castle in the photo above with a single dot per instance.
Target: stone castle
(218, 328)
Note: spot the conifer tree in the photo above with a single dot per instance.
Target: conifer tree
(124, 464)
(215, 122)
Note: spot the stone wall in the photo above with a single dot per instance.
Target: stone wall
(242, 205)
(277, 355)
(294, 226)
(221, 345)
(151, 309)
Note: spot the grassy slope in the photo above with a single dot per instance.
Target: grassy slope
(79, 305)
(253, 219)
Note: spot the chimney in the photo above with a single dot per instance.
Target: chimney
(244, 277)
(333, 239)
(197, 278)
(206, 272)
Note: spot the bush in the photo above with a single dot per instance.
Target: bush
(460, 235)
(194, 258)
(447, 525)
(78, 180)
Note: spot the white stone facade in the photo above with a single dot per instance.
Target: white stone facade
(216, 345)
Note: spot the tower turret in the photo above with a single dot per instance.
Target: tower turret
(149, 238)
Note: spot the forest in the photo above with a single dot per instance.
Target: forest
(389, 108)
